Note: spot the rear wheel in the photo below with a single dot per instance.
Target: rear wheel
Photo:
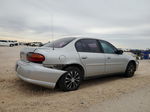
(130, 70)
(71, 80)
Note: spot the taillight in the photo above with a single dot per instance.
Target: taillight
(35, 57)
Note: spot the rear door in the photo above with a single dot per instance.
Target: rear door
(91, 56)
(115, 63)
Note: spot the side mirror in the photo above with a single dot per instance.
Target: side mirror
(119, 52)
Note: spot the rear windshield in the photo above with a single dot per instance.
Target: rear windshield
(59, 43)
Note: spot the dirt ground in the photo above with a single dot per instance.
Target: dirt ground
(19, 96)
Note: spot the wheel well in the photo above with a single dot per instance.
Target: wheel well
(75, 65)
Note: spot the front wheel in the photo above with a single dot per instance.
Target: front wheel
(71, 80)
(11, 45)
(130, 70)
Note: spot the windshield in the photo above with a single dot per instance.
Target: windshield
(59, 43)
(3, 41)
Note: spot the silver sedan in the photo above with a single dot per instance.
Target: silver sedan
(67, 62)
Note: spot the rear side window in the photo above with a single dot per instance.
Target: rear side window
(87, 45)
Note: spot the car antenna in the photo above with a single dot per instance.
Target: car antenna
(52, 30)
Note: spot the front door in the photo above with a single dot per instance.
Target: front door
(115, 63)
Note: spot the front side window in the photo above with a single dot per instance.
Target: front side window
(107, 47)
(87, 45)
(60, 43)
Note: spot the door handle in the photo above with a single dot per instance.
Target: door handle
(108, 57)
(84, 57)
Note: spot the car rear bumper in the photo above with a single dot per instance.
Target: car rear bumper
(38, 74)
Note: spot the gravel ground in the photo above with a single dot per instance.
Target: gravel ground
(137, 101)
(19, 96)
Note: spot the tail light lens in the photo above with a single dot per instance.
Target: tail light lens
(35, 57)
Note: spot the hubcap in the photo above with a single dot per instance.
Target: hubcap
(72, 79)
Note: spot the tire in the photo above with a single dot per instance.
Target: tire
(130, 70)
(11, 45)
(71, 80)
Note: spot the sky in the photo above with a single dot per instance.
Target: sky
(125, 23)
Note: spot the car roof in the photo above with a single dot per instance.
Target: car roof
(78, 38)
